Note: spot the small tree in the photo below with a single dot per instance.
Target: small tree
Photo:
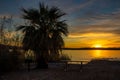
(4, 21)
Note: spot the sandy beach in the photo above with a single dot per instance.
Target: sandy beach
(94, 70)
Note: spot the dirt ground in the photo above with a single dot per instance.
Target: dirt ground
(95, 70)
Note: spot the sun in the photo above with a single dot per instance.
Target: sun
(97, 45)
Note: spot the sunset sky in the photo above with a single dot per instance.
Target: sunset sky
(91, 22)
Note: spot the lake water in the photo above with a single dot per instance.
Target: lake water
(91, 54)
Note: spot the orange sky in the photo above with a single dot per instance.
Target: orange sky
(92, 39)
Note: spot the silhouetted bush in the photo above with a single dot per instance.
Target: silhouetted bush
(55, 58)
(65, 57)
(9, 60)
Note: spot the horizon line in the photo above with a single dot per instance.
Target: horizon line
(92, 48)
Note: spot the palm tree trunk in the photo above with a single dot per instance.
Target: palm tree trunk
(41, 61)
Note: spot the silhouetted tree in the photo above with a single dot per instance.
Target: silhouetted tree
(43, 33)
(4, 23)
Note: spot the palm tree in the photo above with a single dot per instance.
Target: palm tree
(43, 33)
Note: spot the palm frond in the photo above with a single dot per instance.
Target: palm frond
(20, 28)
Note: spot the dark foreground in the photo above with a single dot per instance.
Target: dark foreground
(94, 70)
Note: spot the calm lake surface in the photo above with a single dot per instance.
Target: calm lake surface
(91, 54)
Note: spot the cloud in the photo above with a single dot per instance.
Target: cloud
(80, 6)
(75, 36)
(95, 19)
(113, 15)
(70, 6)
(5, 15)
(102, 23)
(113, 29)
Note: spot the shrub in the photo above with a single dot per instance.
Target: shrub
(9, 60)
(65, 57)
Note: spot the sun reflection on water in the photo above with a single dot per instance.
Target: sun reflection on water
(97, 54)
(92, 54)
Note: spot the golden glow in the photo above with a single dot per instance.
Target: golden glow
(95, 40)
(97, 45)
(97, 54)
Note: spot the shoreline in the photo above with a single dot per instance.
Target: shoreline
(91, 48)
